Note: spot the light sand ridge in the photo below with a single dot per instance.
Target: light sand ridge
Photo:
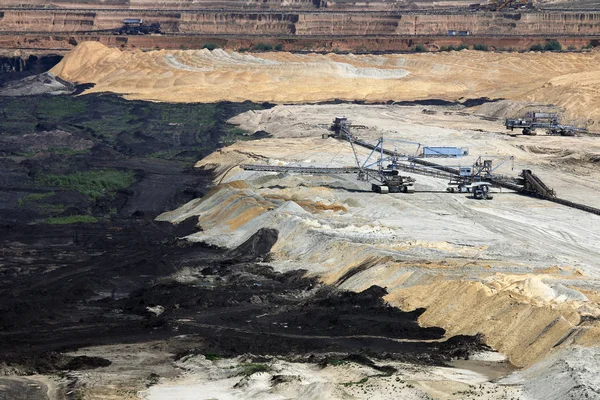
(568, 80)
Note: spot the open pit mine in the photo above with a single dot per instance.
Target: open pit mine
(299, 200)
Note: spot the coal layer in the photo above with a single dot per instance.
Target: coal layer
(127, 278)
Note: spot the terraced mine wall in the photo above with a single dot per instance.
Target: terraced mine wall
(304, 23)
(45, 42)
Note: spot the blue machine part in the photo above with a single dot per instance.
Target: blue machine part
(447, 152)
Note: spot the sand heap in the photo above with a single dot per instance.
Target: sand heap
(568, 80)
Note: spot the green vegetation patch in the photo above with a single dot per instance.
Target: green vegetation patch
(362, 381)
(233, 134)
(210, 46)
(552, 45)
(95, 183)
(262, 47)
(35, 197)
(335, 362)
(253, 368)
(212, 356)
(458, 48)
(536, 47)
(56, 108)
(72, 219)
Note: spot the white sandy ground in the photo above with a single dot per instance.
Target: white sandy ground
(570, 374)
(522, 271)
(207, 380)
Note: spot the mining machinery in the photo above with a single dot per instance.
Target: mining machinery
(499, 5)
(383, 167)
(136, 26)
(541, 120)
(476, 179)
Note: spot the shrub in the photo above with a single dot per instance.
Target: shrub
(572, 48)
(462, 47)
(480, 47)
(262, 47)
(210, 46)
(536, 47)
(419, 48)
(552, 45)
(278, 47)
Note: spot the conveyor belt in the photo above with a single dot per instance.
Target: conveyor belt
(534, 188)
(299, 170)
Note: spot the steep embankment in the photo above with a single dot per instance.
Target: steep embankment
(299, 19)
(570, 80)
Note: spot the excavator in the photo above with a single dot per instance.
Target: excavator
(499, 5)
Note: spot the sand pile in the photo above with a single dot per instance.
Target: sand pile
(526, 313)
(569, 80)
(568, 374)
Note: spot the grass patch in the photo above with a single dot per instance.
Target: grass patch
(94, 184)
(60, 107)
(362, 381)
(35, 197)
(233, 134)
(262, 47)
(253, 368)
(212, 356)
(72, 219)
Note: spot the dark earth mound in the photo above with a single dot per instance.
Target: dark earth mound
(17, 67)
(84, 263)
(103, 157)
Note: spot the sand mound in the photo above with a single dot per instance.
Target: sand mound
(569, 374)
(569, 80)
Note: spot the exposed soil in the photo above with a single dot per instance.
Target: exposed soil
(18, 67)
(108, 276)
(127, 278)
